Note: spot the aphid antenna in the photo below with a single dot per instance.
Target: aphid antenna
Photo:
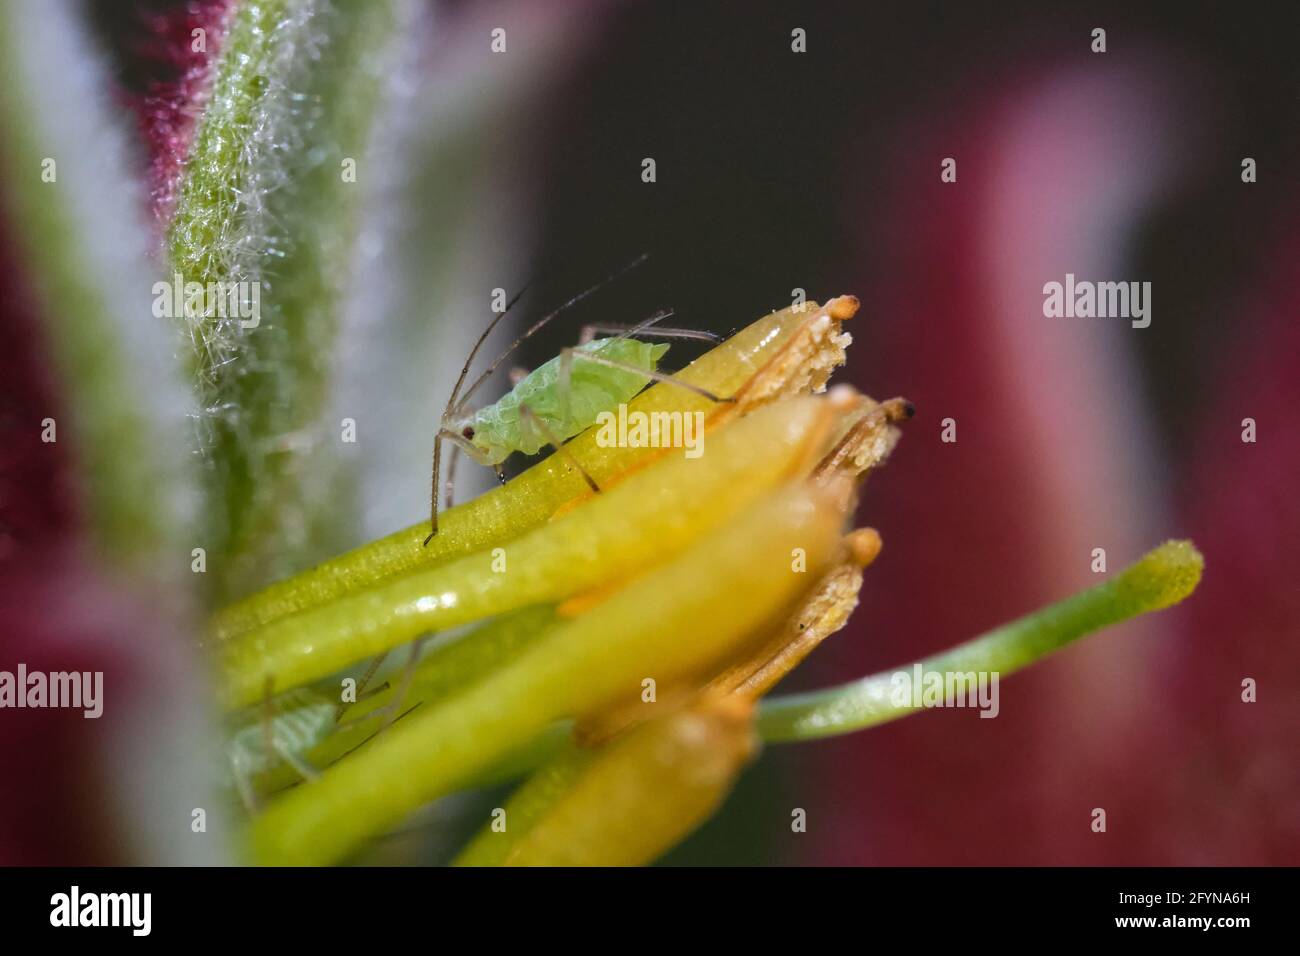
(451, 401)
(458, 402)
(478, 344)
(568, 355)
(645, 324)
(589, 332)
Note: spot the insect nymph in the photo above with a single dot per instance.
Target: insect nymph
(558, 399)
(541, 409)
(260, 741)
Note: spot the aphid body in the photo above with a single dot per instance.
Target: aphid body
(303, 719)
(543, 406)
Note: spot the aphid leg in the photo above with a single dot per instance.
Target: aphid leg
(303, 768)
(589, 332)
(372, 692)
(390, 711)
(457, 440)
(501, 475)
(274, 746)
(570, 355)
(361, 684)
(247, 796)
(449, 494)
(403, 686)
(359, 721)
(535, 420)
(433, 494)
(629, 331)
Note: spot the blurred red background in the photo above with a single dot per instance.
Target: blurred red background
(820, 171)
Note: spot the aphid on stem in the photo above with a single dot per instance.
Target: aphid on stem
(559, 399)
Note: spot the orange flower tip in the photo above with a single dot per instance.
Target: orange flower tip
(863, 545)
(843, 307)
(899, 410)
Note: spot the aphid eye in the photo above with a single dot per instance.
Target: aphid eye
(468, 432)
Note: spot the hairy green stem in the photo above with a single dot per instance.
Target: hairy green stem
(269, 199)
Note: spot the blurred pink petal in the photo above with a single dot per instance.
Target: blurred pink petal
(1052, 459)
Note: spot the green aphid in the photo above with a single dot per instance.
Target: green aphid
(496, 431)
(557, 400)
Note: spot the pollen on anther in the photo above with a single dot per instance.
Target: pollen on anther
(842, 307)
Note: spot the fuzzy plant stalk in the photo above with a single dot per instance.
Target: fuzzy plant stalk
(268, 205)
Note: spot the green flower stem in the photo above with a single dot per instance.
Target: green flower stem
(675, 623)
(1161, 578)
(265, 199)
(525, 503)
(639, 522)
